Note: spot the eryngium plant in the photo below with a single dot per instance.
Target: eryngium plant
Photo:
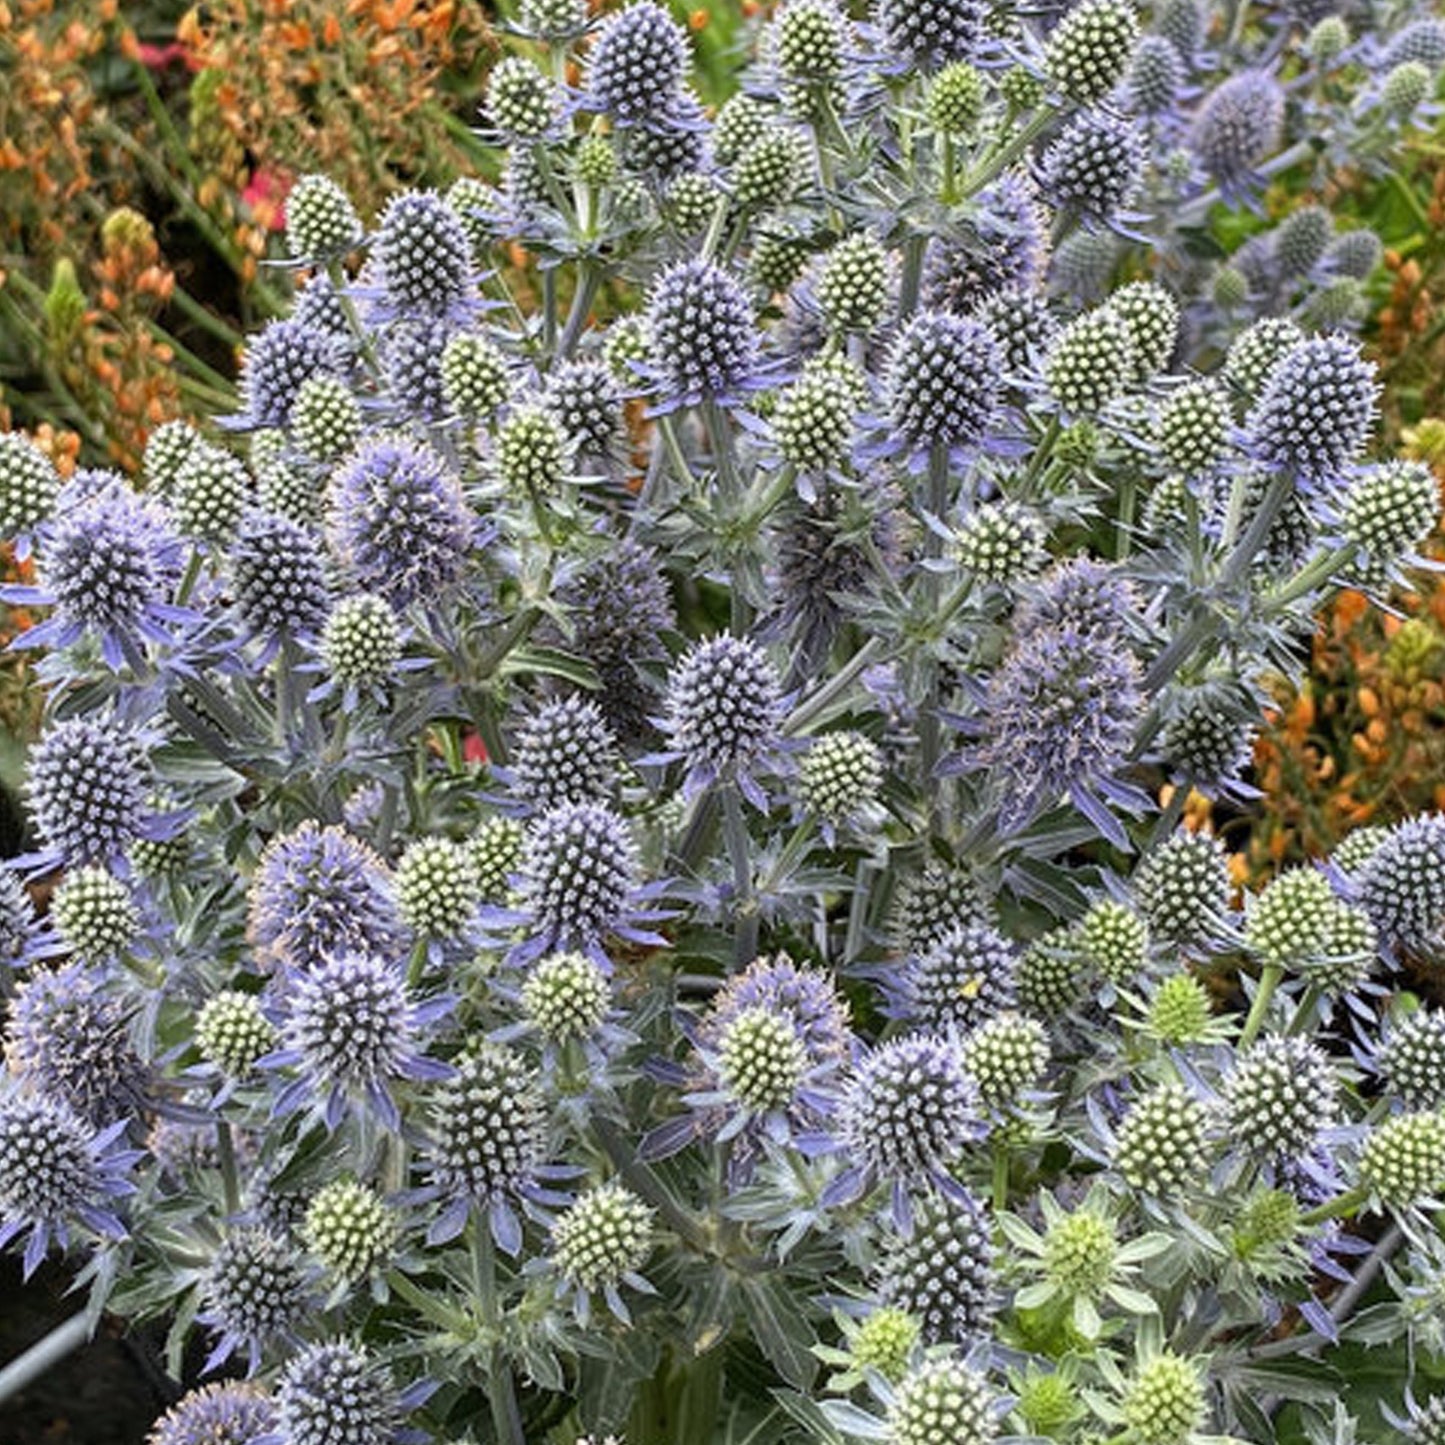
(673, 919)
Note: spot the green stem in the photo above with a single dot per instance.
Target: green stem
(1270, 979)
(745, 912)
(230, 1178)
(1340, 1207)
(1000, 1176)
(501, 1394)
(582, 299)
(818, 702)
(647, 1186)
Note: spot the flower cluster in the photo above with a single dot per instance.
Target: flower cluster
(693, 793)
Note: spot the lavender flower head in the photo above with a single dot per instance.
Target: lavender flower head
(703, 340)
(942, 385)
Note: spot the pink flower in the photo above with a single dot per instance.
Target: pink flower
(265, 196)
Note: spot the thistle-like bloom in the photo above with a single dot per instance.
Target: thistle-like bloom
(338, 1393)
(1402, 886)
(284, 356)
(1237, 127)
(942, 385)
(1059, 718)
(1315, 413)
(88, 786)
(565, 754)
(1280, 1097)
(109, 564)
(907, 1114)
(55, 1171)
(635, 69)
(601, 1242)
(424, 259)
(320, 892)
(941, 1272)
(959, 981)
(29, 487)
(228, 1413)
(724, 706)
(398, 522)
(1004, 246)
(703, 339)
(808, 997)
(1095, 165)
(279, 577)
(256, 1292)
(485, 1146)
(351, 1031)
(69, 1037)
(928, 34)
(943, 1402)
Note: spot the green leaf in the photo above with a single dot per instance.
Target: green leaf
(549, 661)
(809, 1414)
(782, 1333)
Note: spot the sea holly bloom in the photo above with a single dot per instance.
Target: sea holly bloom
(350, 1031)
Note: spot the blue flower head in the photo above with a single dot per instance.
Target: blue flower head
(228, 1413)
(1237, 127)
(636, 66)
(398, 522)
(282, 358)
(56, 1171)
(703, 339)
(338, 1393)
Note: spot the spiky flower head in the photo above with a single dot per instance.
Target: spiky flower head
(636, 64)
(702, 338)
(1389, 512)
(769, 170)
(1115, 939)
(1238, 126)
(349, 1228)
(94, 913)
(1047, 975)
(577, 871)
(1316, 410)
(942, 382)
(255, 1291)
(566, 995)
(1164, 1403)
(1006, 1057)
(1192, 426)
(423, 255)
(17, 919)
(1402, 884)
(232, 1032)
(227, 1413)
(1406, 87)
(692, 200)
(931, 905)
(54, 1170)
(1089, 50)
(956, 99)
(1060, 716)
(1412, 1059)
(360, 639)
(108, 558)
(761, 1059)
(853, 283)
(531, 452)
(605, 1235)
(565, 753)
(436, 887)
(1082, 593)
(521, 101)
(1403, 1160)
(840, 775)
(813, 422)
(1001, 244)
(321, 891)
(941, 1272)
(1151, 317)
(724, 704)
(488, 1127)
(1022, 324)
(1001, 541)
(943, 1402)
(496, 854)
(325, 419)
(1279, 1097)
(963, 979)
(1081, 1249)
(1182, 887)
(1328, 40)
(87, 784)
(1300, 240)
(281, 359)
(1095, 165)
(69, 1036)
(909, 1108)
(933, 33)
(165, 449)
(338, 1393)
(806, 997)
(885, 1341)
(1209, 740)
(584, 398)
(321, 222)
(1257, 350)
(474, 375)
(1091, 361)
(1287, 922)
(278, 576)
(810, 40)
(595, 161)
(397, 520)
(29, 485)
(555, 19)
(741, 120)
(1156, 76)
(1160, 1146)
